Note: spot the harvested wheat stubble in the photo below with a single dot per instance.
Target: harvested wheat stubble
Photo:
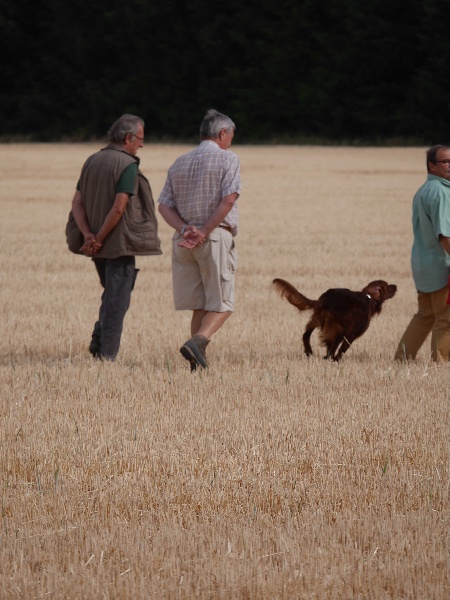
(268, 476)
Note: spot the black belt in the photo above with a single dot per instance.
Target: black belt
(226, 228)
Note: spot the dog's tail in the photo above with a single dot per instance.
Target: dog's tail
(292, 295)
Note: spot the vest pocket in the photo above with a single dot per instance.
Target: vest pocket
(142, 237)
(74, 237)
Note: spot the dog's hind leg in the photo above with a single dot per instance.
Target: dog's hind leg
(310, 326)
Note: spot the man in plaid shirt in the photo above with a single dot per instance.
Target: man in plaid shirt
(199, 201)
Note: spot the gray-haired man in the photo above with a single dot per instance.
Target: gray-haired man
(198, 201)
(114, 210)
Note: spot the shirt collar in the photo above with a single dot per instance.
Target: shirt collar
(119, 148)
(209, 142)
(440, 179)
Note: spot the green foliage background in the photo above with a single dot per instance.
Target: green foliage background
(338, 71)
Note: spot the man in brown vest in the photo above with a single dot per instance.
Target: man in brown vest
(113, 208)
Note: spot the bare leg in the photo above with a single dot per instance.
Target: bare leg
(206, 323)
(203, 325)
(196, 321)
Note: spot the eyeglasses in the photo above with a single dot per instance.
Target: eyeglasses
(141, 139)
(445, 162)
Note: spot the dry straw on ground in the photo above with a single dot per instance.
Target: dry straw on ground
(270, 476)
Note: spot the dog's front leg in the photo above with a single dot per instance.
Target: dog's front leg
(343, 349)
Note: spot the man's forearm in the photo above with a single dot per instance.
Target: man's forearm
(79, 214)
(171, 216)
(113, 217)
(445, 243)
(219, 214)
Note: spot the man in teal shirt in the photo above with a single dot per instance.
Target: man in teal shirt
(430, 261)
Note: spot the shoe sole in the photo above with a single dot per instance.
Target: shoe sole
(191, 352)
(193, 363)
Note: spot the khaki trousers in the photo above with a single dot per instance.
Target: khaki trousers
(433, 315)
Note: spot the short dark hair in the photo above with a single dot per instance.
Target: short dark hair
(123, 126)
(432, 153)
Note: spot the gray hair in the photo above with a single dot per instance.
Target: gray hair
(213, 123)
(122, 127)
(432, 153)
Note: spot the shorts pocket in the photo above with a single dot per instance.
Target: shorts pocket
(227, 286)
(232, 258)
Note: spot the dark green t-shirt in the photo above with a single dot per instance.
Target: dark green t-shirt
(126, 181)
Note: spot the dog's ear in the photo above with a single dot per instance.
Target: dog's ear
(378, 293)
(387, 291)
(380, 290)
(375, 290)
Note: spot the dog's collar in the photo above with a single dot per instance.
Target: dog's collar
(377, 302)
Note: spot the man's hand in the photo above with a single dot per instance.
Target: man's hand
(90, 246)
(192, 237)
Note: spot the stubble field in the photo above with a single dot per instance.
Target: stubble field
(270, 476)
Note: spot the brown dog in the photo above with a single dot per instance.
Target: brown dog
(340, 314)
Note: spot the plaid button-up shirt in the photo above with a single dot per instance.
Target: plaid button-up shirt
(198, 181)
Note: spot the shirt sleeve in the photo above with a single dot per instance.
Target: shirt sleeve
(166, 196)
(231, 183)
(127, 180)
(440, 213)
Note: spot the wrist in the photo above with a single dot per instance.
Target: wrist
(183, 229)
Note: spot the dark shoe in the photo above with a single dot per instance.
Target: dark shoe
(192, 362)
(194, 350)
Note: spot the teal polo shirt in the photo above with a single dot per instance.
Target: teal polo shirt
(430, 217)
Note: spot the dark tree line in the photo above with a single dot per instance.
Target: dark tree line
(285, 70)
